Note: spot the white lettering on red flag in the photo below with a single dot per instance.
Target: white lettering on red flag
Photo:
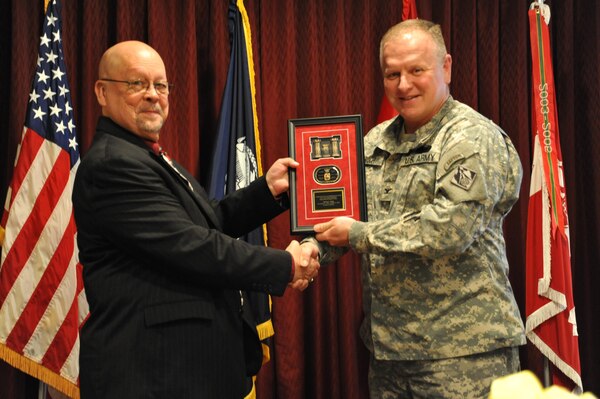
(551, 325)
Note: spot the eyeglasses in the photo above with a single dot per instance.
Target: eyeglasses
(137, 86)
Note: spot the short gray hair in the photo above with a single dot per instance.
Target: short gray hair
(432, 29)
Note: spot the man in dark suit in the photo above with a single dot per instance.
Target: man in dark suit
(162, 269)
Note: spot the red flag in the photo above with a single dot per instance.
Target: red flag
(42, 303)
(409, 10)
(550, 310)
(386, 111)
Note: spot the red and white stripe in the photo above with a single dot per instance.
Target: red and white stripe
(42, 302)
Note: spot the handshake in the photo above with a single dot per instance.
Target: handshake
(306, 260)
(306, 255)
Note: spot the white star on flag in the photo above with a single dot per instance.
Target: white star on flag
(45, 40)
(55, 110)
(33, 96)
(48, 93)
(39, 113)
(51, 19)
(51, 57)
(42, 77)
(57, 74)
(63, 91)
(60, 127)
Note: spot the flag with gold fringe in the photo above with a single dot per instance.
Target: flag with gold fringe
(237, 157)
(42, 302)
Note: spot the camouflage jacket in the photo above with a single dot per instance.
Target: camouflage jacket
(434, 270)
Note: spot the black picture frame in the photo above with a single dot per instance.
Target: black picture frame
(330, 180)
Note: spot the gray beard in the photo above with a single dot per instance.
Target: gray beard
(150, 127)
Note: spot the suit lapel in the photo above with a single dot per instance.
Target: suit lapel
(107, 126)
(196, 192)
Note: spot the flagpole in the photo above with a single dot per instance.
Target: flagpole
(546, 372)
(42, 390)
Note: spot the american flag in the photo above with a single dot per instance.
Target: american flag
(42, 302)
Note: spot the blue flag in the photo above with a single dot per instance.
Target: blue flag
(235, 163)
(236, 158)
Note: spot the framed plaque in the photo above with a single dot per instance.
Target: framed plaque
(330, 180)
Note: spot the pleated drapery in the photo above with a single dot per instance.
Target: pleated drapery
(320, 58)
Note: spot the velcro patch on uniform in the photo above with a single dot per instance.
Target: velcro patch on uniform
(453, 159)
(463, 177)
(415, 159)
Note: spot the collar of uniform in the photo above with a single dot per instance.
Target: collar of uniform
(386, 136)
(382, 137)
(424, 135)
(425, 132)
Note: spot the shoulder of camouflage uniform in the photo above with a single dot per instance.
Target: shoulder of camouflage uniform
(375, 135)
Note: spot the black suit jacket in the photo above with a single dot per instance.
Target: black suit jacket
(162, 272)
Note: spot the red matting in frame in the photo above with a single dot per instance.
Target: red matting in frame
(330, 179)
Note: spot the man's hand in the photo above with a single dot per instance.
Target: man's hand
(306, 259)
(277, 176)
(336, 232)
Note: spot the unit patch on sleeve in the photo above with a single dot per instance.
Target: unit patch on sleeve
(463, 177)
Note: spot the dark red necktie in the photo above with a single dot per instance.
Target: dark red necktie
(162, 154)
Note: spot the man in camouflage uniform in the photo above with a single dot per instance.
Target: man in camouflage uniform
(441, 318)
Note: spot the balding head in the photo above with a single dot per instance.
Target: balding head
(143, 113)
(122, 54)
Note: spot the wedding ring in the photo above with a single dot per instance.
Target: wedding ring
(311, 280)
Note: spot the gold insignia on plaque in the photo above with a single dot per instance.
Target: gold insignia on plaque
(325, 147)
(327, 174)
